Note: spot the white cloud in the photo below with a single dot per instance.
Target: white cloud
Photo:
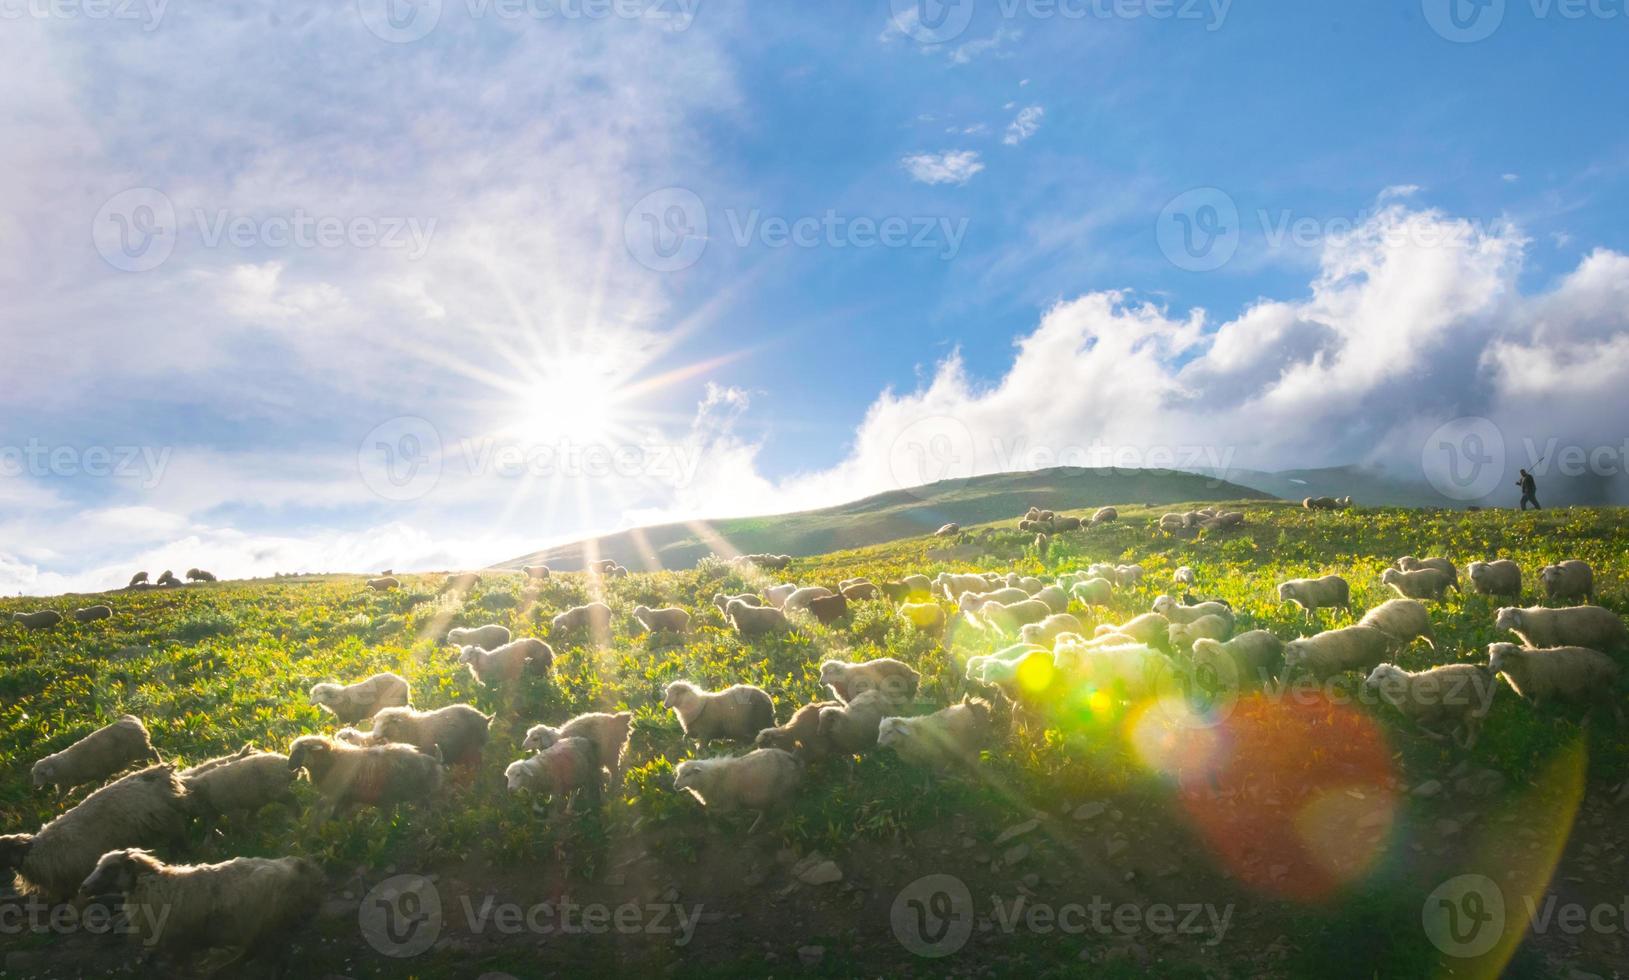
(966, 52)
(1024, 125)
(948, 167)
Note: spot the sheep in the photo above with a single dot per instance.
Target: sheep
(140, 578)
(801, 598)
(750, 620)
(1499, 577)
(907, 587)
(801, 733)
(952, 585)
(569, 765)
(384, 584)
(96, 756)
(242, 782)
(1409, 563)
(828, 609)
(1007, 618)
(1093, 592)
(670, 619)
(849, 729)
(1147, 628)
(1223, 521)
(984, 666)
(538, 573)
(1567, 673)
(897, 681)
(244, 903)
(971, 602)
(167, 579)
(594, 616)
(1128, 575)
(1055, 598)
(457, 730)
(488, 637)
(1321, 503)
(199, 575)
(773, 563)
(1459, 695)
(1129, 671)
(507, 663)
(350, 776)
(149, 808)
(1404, 619)
(1104, 515)
(607, 732)
(1422, 583)
(776, 595)
(1183, 635)
(1177, 613)
(460, 583)
(1185, 576)
(948, 530)
(1568, 626)
(1333, 652)
(723, 599)
(760, 780)
(860, 591)
(40, 620)
(736, 713)
(1048, 629)
(1256, 656)
(91, 614)
(1313, 594)
(923, 615)
(1571, 579)
(949, 737)
(351, 703)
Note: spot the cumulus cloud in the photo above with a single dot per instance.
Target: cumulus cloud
(949, 167)
(1024, 125)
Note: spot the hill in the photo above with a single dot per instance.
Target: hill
(889, 516)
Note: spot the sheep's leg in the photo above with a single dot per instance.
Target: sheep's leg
(758, 820)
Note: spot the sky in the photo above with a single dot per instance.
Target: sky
(414, 284)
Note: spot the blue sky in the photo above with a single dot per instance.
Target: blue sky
(1418, 225)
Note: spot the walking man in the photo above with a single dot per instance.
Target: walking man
(1529, 491)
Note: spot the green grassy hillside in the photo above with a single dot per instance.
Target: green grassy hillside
(1319, 826)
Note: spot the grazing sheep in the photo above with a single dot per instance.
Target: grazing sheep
(776, 595)
(149, 808)
(951, 584)
(949, 737)
(801, 733)
(860, 591)
(1458, 695)
(1183, 635)
(1177, 613)
(140, 578)
(199, 575)
(43, 619)
(750, 620)
(670, 619)
(1104, 515)
(737, 713)
(1333, 652)
(384, 584)
(1185, 576)
(849, 729)
(1048, 629)
(460, 583)
(722, 599)
(919, 586)
(168, 579)
(896, 680)
(986, 666)
(594, 617)
(1321, 503)
(760, 780)
(828, 609)
(1405, 619)
(1422, 583)
(1250, 658)
(1148, 628)
(1126, 576)
(1055, 598)
(570, 765)
(773, 563)
(1313, 594)
(1093, 592)
(1569, 673)
(539, 572)
(458, 731)
(242, 782)
(488, 637)
(1223, 521)
(1130, 671)
(801, 598)
(608, 733)
(376, 775)
(1008, 617)
(971, 602)
(96, 756)
(923, 615)
(1500, 577)
(1409, 563)
(1571, 579)
(1569, 626)
(90, 614)
(507, 663)
(948, 530)
(245, 903)
(351, 703)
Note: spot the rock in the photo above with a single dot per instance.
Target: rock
(1485, 782)
(1014, 854)
(1428, 789)
(1017, 830)
(1090, 811)
(816, 869)
(338, 908)
(811, 955)
(1447, 827)
(1116, 847)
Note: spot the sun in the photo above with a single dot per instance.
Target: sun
(570, 401)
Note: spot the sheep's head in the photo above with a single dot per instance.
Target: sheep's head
(1407, 563)
(518, 775)
(1164, 603)
(833, 671)
(1295, 655)
(775, 738)
(1500, 655)
(540, 737)
(1388, 679)
(1550, 575)
(13, 849)
(44, 773)
(679, 693)
(325, 694)
(641, 611)
(1390, 576)
(893, 732)
(117, 871)
(305, 750)
(470, 654)
(390, 723)
(1508, 618)
(688, 777)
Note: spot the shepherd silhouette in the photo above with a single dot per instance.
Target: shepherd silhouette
(1529, 491)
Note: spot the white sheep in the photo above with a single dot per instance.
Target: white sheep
(800, 734)
(507, 663)
(1568, 673)
(1313, 594)
(949, 737)
(849, 729)
(1185, 576)
(1093, 592)
(1570, 579)
(199, 575)
(351, 703)
(737, 713)
(595, 617)
(972, 602)
(488, 637)
(896, 680)
(382, 584)
(1501, 577)
(802, 597)
(951, 584)
(1048, 629)
(1404, 619)
(1333, 652)
(1422, 583)
(1183, 635)
(91, 614)
(1103, 515)
(1127, 671)
(149, 808)
(40, 620)
(723, 599)
(1055, 598)
(607, 732)
(540, 573)
(1150, 628)
(1249, 659)
(244, 903)
(670, 619)
(923, 615)
(1175, 612)
(1409, 563)
(1127, 576)
(1008, 617)
(242, 782)
(569, 765)
(1458, 695)
(1568, 626)
(140, 578)
(948, 530)
(350, 776)
(760, 780)
(750, 620)
(96, 756)
(776, 595)
(457, 731)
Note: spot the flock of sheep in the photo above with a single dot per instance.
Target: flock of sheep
(41, 619)
(1043, 657)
